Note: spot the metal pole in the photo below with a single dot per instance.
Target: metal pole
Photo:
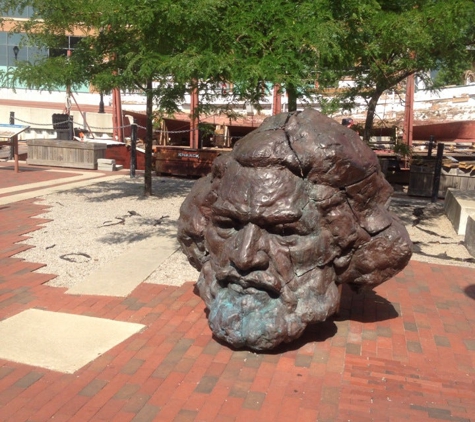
(70, 127)
(12, 122)
(437, 171)
(133, 150)
(431, 145)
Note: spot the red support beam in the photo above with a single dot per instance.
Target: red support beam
(409, 111)
(277, 100)
(194, 135)
(117, 119)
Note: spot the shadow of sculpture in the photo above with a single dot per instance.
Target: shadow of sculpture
(315, 333)
(470, 291)
(365, 306)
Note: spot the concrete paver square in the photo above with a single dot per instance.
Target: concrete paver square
(123, 274)
(59, 341)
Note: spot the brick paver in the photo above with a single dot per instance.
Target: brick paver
(405, 351)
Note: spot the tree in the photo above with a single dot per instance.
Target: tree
(127, 44)
(386, 41)
(279, 42)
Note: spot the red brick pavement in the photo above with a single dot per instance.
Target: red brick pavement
(403, 352)
(11, 179)
(34, 174)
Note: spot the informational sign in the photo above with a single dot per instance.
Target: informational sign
(9, 136)
(9, 131)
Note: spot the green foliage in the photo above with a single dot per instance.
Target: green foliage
(156, 46)
(402, 149)
(129, 44)
(329, 105)
(125, 45)
(279, 42)
(387, 41)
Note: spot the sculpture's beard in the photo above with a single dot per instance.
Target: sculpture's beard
(251, 312)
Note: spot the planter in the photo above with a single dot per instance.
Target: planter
(72, 154)
(182, 161)
(421, 179)
(457, 179)
(121, 155)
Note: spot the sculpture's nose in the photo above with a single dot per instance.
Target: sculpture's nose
(248, 253)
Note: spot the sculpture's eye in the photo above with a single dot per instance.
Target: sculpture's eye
(225, 225)
(287, 231)
(284, 229)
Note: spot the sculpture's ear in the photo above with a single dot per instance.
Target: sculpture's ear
(378, 259)
(369, 199)
(193, 220)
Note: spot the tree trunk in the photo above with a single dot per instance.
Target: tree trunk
(148, 141)
(292, 96)
(368, 127)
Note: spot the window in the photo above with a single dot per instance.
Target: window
(12, 51)
(26, 13)
(69, 43)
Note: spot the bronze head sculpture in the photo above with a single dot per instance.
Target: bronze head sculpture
(297, 208)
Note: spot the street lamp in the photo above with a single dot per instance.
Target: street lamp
(101, 102)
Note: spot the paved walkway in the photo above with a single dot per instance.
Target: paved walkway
(403, 352)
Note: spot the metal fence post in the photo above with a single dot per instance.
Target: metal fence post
(437, 171)
(70, 128)
(12, 122)
(133, 150)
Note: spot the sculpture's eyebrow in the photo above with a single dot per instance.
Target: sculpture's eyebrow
(225, 209)
(280, 218)
(262, 217)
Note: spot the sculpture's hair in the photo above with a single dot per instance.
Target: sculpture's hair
(322, 152)
(311, 146)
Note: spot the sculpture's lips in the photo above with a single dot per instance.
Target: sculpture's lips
(248, 286)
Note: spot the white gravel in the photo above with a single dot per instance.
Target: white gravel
(434, 238)
(94, 224)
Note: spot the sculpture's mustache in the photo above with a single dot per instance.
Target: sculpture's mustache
(250, 283)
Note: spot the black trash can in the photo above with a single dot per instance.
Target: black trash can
(63, 125)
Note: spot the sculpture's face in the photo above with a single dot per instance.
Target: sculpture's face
(263, 241)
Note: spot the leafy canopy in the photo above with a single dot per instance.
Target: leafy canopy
(387, 41)
(130, 44)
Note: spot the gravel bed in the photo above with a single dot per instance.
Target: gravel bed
(434, 238)
(92, 225)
